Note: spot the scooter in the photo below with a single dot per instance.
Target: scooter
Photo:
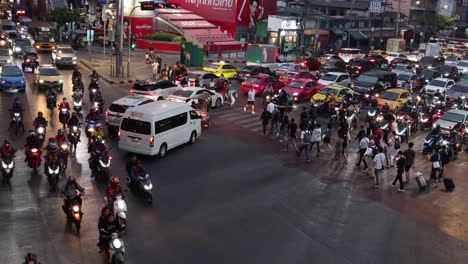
(53, 172)
(116, 250)
(64, 116)
(430, 142)
(77, 100)
(8, 166)
(93, 94)
(120, 211)
(90, 127)
(74, 211)
(40, 132)
(34, 158)
(51, 102)
(101, 170)
(74, 137)
(145, 187)
(16, 123)
(64, 151)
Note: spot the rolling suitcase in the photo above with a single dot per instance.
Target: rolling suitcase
(449, 185)
(422, 184)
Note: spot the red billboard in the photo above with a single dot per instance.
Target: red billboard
(140, 26)
(240, 12)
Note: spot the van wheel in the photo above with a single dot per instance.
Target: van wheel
(193, 137)
(163, 150)
(160, 98)
(218, 103)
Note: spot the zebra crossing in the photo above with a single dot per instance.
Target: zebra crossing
(241, 118)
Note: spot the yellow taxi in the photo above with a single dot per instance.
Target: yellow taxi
(337, 90)
(222, 69)
(396, 98)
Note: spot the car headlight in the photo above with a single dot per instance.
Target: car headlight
(60, 81)
(74, 58)
(148, 187)
(59, 58)
(3, 81)
(117, 243)
(76, 208)
(429, 67)
(17, 49)
(41, 81)
(8, 61)
(121, 204)
(22, 81)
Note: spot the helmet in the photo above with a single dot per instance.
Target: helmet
(32, 133)
(94, 71)
(6, 142)
(51, 140)
(52, 146)
(98, 125)
(30, 258)
(115, 181)
(39, 114)
(61, 132)
(64, 99)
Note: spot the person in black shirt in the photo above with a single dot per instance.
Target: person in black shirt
(409, 157)
(292, 131)
(401, 162)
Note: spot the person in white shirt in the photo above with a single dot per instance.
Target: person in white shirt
(363, 144)
(316, 138)
(212, 84)
(305, 142)
(154, 68)
(379, 163)
(270, 107)
(394, 146)
(250, 100)
(369, 156)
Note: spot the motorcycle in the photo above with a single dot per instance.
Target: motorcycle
(64, 115)
(98, 107)
(101, 168)
(53, 171)
(16, 123)
(438, 102)
(74, 137)
(144, 186)
(116, 250)
(93, 94)
(77, 101)
(40, 132)
(94, 82)
(371, 112)
(120, 211)
(34, 158)
(90, 127)
(64, 151)
(430, 141)
(74, 212)
(51, 102)
(8, 166)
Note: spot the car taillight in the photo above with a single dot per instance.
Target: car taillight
(107, 113)
(132, 91)
(359, 67)
(151, 141)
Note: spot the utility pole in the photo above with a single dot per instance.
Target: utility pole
(119, 39)
(304, 14)
(397, 31)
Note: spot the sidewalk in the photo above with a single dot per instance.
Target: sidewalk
(139, 70)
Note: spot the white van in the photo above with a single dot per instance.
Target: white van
(348, 54)
(157, 127)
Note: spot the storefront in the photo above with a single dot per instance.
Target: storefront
(283, 31)
(316, 39)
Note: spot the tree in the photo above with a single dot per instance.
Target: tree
(61, 16)
(438, 22)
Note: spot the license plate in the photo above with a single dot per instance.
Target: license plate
(135, 140)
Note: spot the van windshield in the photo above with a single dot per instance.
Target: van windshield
(136, 126)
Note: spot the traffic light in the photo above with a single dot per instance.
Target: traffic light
(166, 5)
(147, 5)
(133, 41)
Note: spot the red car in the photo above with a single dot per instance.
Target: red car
(294, 75)
(259, 83)
(303, 89)
(310, 63)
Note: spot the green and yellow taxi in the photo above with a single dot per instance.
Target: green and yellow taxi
(337, 90)
(396, 98)
(221, 69)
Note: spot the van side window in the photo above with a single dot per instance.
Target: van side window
(170, 123)
(194, 115)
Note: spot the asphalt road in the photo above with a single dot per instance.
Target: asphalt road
(233, 197)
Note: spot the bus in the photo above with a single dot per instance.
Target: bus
(263, 55)
(43, 34)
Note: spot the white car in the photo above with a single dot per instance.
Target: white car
(63, 55)
(406, 76)
(118, 107)
(5, 56)
(441, 84)
(285, 67)
(188, 95)
(154, 88)
(392, 55)
(403, 68)
(463, 66)
(347, 54)
(333, 77)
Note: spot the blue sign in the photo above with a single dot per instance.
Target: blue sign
(104, 2)
(375, 6)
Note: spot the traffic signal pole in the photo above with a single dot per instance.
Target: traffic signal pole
(129, 37)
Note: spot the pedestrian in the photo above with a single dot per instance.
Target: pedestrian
(231, 95)
(292, 130)
(274, 129)
(305, 142)
(327, 136)
(212, 84)
(250, 100)
(270, 107)
(401, 163)
(155, 67)
(265, 118)
(363, 145)
(284, 129)
(378, 135)
(369, 156)
(379, 163)
(393, 147)
(305, 121)
(316, 138)
(344, 135)
(147, 58)
(436, 165)
(285, 51)
(409, 154)
(444, 160)
(159, 60)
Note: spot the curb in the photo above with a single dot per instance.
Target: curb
(104, 78)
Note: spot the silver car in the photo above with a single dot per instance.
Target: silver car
(204, 79)
(5, 56)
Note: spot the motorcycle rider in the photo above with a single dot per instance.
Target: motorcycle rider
(32, 141)
(60, 137)
(268, 92)
(92, 116)
(385, 108)
(30, 258)
(131, 163)
(53, 152)
(73, 121)
(15, 108)
(105, 231)
(136, 171)
(99, 100)
(40, 120)
(64, 104)
(96, 147)
(69, 191)
(113, 189)
(78, 85)
(98, 132)
(94, 75)
(51, 93)
(76, 73)
(105, 212)
(7, 149)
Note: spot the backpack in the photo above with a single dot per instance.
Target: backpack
(397, 142)
(307, 137)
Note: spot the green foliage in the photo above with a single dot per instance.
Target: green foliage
(64, 15)
(438, 22)
(163, 37)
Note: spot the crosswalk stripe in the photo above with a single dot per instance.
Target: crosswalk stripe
(229, 113)
(247, 120)
(257, 129)
(251, 125)
(239, 117)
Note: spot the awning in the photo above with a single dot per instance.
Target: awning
(316, 31)
(357, 35)
(338, 32)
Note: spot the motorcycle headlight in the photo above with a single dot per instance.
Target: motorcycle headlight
(51, 171)
(104, 164)
(17, 114)
(93, 90)
(91, 129)
(17, 49)
(64, 146)
(75, 128)
(63, 110)
(10, 166)
(79, 103)
(117, 243)
(40, 130)
(41, 81)
(121, 204)
(445, 142)
(434, 125)
(4, 165)
(76, 208)
(424, 120)
(148, 187)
